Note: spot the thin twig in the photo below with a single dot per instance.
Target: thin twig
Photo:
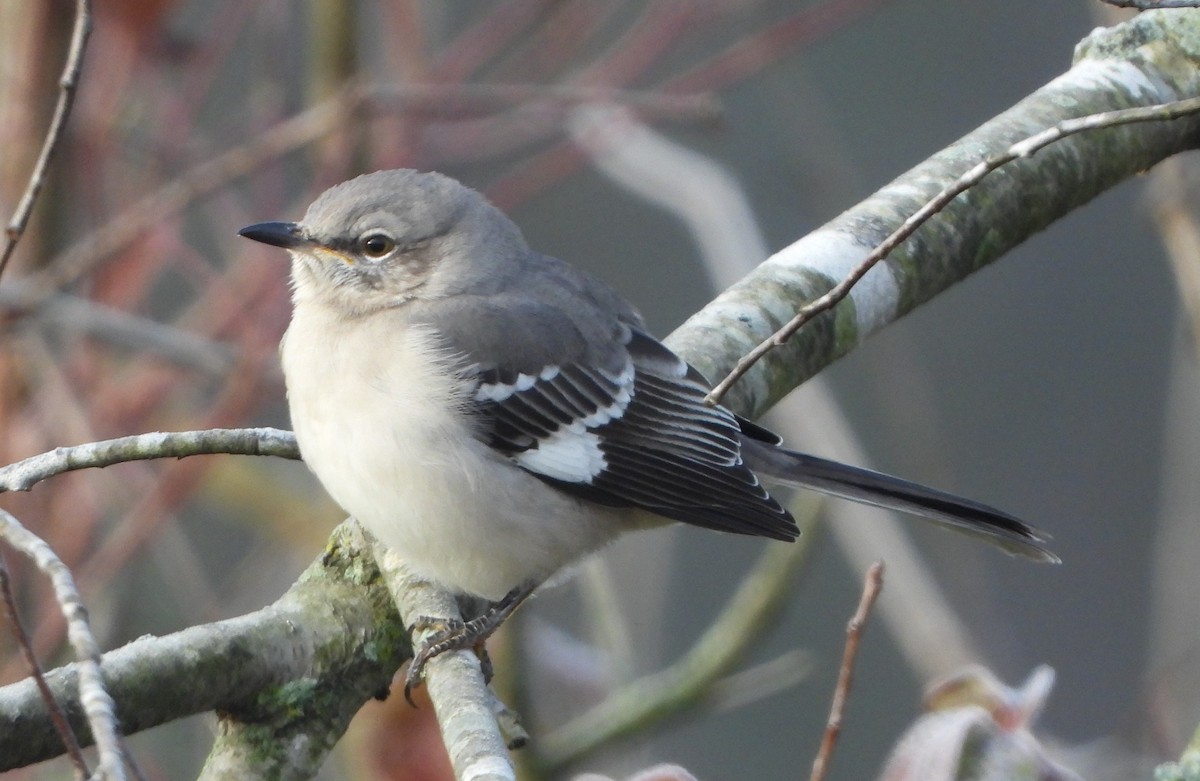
(58, 123)
(131, 763)
(871, 588)
(202, 179)
(333, 635)
(310, 125)
(57, 717)
(1149, 5)
(23, 475)
(1023, 148)
(97, 704)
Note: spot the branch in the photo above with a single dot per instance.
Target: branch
(465, 707)
(1022, 149)
(58, 123)
(25, 474)
(1144, 62)
(91, 693)
(286, 679)
(72, 314)
(833, 728)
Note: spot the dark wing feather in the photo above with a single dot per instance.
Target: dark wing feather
(570, 388)
(637, 436)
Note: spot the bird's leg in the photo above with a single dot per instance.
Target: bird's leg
(458, 635)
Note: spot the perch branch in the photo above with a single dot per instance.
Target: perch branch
(1023, 148)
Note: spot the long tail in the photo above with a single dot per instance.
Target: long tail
(779, 465)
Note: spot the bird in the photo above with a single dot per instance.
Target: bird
(493, 414)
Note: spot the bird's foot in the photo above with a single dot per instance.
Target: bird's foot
(456, 635)
(448, 635)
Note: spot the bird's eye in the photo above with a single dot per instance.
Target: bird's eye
(376, 245)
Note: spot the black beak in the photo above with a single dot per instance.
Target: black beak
(288, 235)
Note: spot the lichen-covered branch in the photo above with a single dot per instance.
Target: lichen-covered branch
(1026, 147)
(286, 679)
(1153, 59)
(342, 643)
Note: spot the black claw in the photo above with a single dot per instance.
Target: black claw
(455, 635)
(409, 683)
(485, 662)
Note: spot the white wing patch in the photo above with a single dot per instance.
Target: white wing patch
(572, 455)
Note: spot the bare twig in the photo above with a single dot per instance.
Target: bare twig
(1023, 148)
(486, 38)
(1147, 5)
(58, 123)
(928, 632)
(197, 182)
(57, 717)
(93, 696)
(692, 187)
(833, 728)
(310, 125)
(25, 474)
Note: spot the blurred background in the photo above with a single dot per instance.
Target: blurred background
(1060, 384)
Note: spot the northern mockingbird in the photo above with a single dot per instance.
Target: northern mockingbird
(493, 414)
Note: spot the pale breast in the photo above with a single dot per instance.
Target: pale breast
(380, 420)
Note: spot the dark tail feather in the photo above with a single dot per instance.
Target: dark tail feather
(776, 464)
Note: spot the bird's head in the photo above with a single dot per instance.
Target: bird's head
(389, 237)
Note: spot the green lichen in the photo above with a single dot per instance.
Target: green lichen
(289, 700)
